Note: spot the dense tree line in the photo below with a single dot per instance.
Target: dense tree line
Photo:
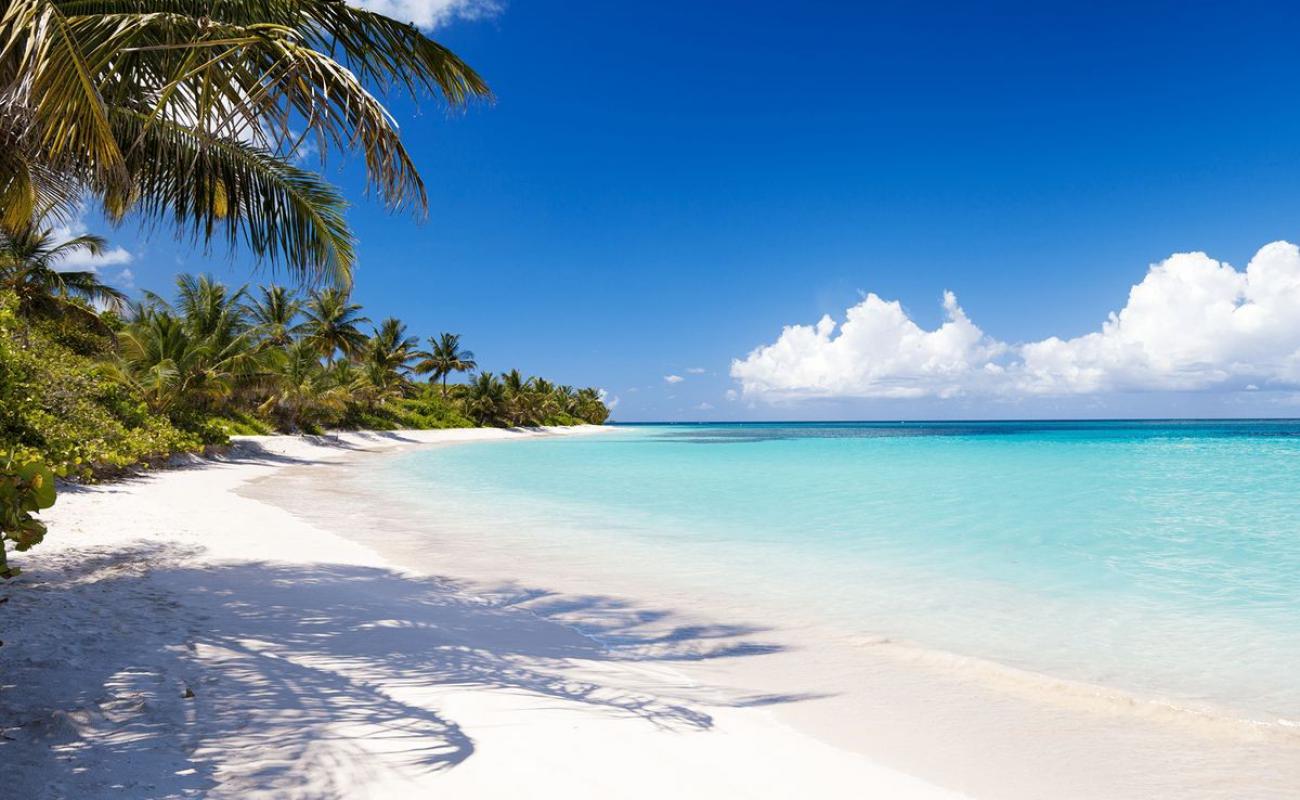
(91, 383)
(296, 361)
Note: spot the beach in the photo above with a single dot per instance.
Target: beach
(267, 623)
(175, 638)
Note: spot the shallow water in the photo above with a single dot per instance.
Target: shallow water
(1160, 559)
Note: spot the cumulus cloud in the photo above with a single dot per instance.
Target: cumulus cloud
(878, 352)
(673, 379)
(706, 406)
(696, 371)
(430, 14)
(611, 402)
(1193, 323)
(82, 260)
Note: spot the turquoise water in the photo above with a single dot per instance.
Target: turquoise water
(1161, 558)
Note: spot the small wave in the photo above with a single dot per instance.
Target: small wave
(1205, 718)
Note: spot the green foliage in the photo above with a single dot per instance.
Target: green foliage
(26, 486)
(512, 400)
(95, 397)
(418, 413)
(193, 113)
(242, 423)
(72, 408)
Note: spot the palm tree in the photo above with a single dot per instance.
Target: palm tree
(175, 370)
(304, 391)
(485, 399)
(567, 399)
(211, 311)
(384, 362)
(390, 346)
(517, 390)
(199, 353)
(192, 111)
(332, 324)
(590, 407)
(275, 317)
(444, 357)
(543, 401)
(29, 259)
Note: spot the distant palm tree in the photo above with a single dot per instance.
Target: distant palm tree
(384, 362)
(29, 260)
(390, 347)
(332, 324)
(543, 401)
(485, 399)
(590, 406)
(443, 358)
(567, 399)
(174, 368)
(275, 316)
(210, 309)
(518, 390)
(304, 391)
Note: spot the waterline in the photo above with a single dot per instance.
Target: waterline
(1158, 560)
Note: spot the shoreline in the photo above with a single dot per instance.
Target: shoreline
(974, 725)
(192, 640)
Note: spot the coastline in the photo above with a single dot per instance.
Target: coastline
(174, 637)
(976, 726)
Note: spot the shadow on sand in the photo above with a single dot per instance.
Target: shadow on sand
(141, 671)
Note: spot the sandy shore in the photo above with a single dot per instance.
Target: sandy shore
(176, 638)
(726, 649)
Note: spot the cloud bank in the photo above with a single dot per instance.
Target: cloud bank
(430, 14)
(1193, 323)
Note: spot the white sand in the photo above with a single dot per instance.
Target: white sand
(317, 669)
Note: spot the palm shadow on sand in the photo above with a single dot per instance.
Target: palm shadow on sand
(251, 664)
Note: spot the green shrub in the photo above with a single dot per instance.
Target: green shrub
(242, 423)
(26, 486)
(418, 413)
(74, 409)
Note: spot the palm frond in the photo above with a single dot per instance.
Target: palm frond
(287, 215)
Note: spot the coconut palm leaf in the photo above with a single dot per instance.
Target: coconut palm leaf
(190, 110)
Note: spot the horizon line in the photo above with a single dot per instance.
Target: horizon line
(950, 421)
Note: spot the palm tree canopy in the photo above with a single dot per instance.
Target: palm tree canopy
(192, 111)
(333, 324)
(390, 346)
(444, 357)
(275, 316)
(29, 260)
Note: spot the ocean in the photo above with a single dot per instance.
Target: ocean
(1160, 559)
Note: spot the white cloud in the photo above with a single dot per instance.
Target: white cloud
(81, 259)
(430, 14)
(878, 352)
(732, 394)
(696, 371)
(673, 379)
(704, 407)
(610, 402)
(1193, 323)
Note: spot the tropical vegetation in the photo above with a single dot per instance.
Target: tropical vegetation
(92, 392)
(198, 115)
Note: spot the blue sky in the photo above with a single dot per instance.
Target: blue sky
(662, 187)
